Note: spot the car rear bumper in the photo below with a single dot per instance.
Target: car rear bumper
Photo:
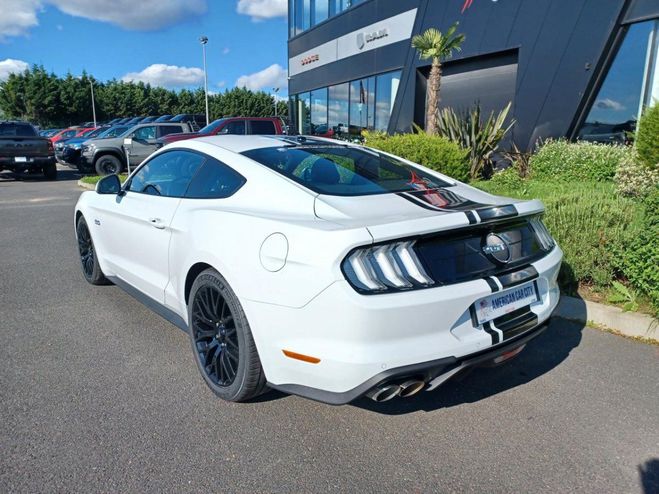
(31, 164)
(361, 341)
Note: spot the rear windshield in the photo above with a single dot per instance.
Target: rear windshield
(344, 171)
(17, 129)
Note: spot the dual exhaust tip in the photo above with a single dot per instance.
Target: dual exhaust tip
(388, 391)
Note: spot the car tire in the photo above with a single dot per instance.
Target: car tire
(88, 258)
(107, 164)
(50, 171)
(221, 339)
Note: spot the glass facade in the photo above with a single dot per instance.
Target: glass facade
(631, 84)
(344, 110)
(304, 14)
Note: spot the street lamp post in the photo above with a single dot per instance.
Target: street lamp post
(91, 84)
(204, 41)
(275, 90)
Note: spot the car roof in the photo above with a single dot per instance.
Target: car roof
(242, 143)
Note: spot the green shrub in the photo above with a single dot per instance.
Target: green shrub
(647, 137)
(509, 179)
(437, 153)
(588, 220)
(635, 179)
(577, 162)
(640, 257)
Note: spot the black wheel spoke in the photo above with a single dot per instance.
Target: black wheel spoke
(215, 335)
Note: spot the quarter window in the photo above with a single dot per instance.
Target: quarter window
(144, 133)
(214, 180)
(263, 127)
(167, 174)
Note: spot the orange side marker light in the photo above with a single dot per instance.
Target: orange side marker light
(299, 356)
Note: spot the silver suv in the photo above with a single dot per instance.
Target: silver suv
(111, 155)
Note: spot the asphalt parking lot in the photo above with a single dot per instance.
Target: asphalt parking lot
(100, 394)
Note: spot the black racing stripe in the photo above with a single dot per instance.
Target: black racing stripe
(516, 322)
(493, 334)
(517, 277)
(497, 212)
(471, 217)
(493, 286)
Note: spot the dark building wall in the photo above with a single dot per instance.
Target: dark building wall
(562, 48)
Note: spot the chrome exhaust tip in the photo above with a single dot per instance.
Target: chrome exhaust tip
(411, 387)
(384, 393)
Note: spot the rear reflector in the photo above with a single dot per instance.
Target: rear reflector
(505, 356)
(299, 356)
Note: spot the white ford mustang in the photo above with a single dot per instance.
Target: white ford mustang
(321, 268)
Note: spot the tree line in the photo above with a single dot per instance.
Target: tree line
(50, 101)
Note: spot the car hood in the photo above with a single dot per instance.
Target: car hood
(396, 215)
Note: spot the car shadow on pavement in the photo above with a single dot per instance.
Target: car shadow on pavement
(649, 473)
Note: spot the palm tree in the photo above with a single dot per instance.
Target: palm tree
(437, 46)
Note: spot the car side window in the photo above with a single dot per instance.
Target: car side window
(214, 180)
(144, 133)
(169, 129)
(263, 127)
(236, 127)
(167, 174)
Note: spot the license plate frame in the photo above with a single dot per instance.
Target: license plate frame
(506, 301)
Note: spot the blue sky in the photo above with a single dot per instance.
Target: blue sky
(121, 38)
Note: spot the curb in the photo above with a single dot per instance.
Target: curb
(86, 186)
(632, 324)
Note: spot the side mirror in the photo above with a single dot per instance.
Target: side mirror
(108, 185)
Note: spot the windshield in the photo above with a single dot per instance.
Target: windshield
(344, 171)
(212, 126)
(113, 131)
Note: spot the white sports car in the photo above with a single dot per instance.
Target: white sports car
(321, 268)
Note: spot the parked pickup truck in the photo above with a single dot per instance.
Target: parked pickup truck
(108, 156)
(230, 125)
(23, 151)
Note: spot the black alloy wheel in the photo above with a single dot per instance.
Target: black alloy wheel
(108, 165)
(222, 342)
(90, 266)
(215, 336)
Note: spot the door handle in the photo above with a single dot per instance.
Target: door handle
(157, 223)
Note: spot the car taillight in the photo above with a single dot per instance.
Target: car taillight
(544, 237)
(386, 268)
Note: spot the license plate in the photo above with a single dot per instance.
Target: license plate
(501, 303)
(20, 159)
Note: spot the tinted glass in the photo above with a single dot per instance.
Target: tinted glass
(386, 89)
(167, 174)
(236, 127)
(263, 127)
(338, 106)
(12, 129)
(302, 113)
(321, 10)
(214, 180)
(114, 131)
(319, 112)
(212, 127)
(616, 109)
(362, 105)
(144, 133)
(169, 129)
(344, 171)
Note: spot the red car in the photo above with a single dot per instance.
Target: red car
(70, 133)
(230, 125)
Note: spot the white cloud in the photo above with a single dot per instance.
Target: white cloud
(609, 104)
(10, 66)
(273, 76)
(263, 9)
(221, 84)
(17, 17)
(170, 76)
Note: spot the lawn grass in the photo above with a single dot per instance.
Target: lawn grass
(93, 179)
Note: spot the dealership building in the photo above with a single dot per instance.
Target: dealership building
(571, 68)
